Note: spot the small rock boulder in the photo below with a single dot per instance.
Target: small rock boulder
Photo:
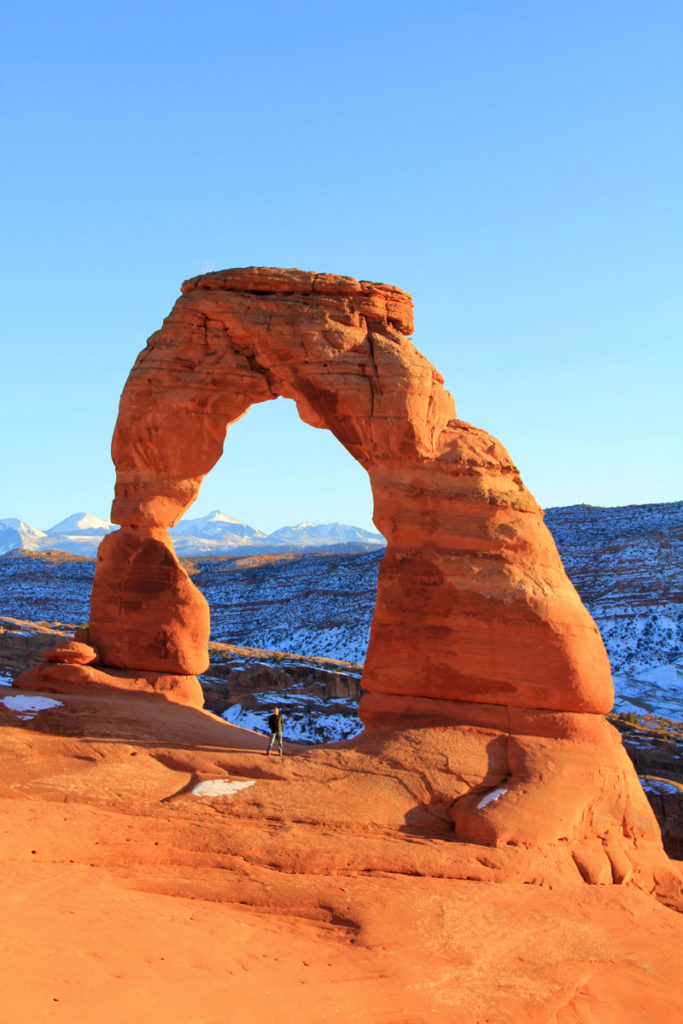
(72, 652)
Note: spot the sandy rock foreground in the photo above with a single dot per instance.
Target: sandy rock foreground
(315, 894)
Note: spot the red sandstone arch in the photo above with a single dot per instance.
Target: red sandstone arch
(483, 663)
(473, 602)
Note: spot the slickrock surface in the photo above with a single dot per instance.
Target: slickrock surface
(328, 887)
(64, 676)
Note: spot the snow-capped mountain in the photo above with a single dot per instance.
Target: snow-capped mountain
(15, 533)
(78, 534)
(215, 526)
(81, 523)
(306, 535)
(213, 534)
(219, 534)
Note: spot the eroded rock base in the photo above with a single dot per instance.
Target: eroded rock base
(333, 884)
(536, 780)
(65, 678)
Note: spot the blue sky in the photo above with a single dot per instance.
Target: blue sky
(515, 166)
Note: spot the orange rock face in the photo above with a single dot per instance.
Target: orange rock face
(536, 779)
(65, 677)
(72, 652)
(145, 612)
(473, 602)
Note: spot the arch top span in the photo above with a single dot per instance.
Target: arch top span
(473, 603)
(338, 347)
(371, 298)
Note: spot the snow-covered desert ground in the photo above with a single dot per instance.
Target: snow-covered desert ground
(313, 720)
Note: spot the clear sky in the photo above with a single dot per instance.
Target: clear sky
(516, 165)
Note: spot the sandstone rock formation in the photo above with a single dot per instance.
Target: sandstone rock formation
(65, 676)
(471, 587)
(145, 612)
(476, 628)
(72, 652)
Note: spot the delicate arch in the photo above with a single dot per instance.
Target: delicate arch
(473, 603)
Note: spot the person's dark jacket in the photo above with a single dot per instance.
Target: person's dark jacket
(275, 723)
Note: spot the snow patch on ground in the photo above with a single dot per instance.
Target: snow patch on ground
(5, 680)
(491, 797)
(221, 787)
(27, 708)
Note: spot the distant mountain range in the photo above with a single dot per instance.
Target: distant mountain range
(213, 534)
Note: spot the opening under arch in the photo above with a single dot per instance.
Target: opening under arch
(290, 609)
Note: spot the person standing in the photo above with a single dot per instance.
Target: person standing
(275, 722)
